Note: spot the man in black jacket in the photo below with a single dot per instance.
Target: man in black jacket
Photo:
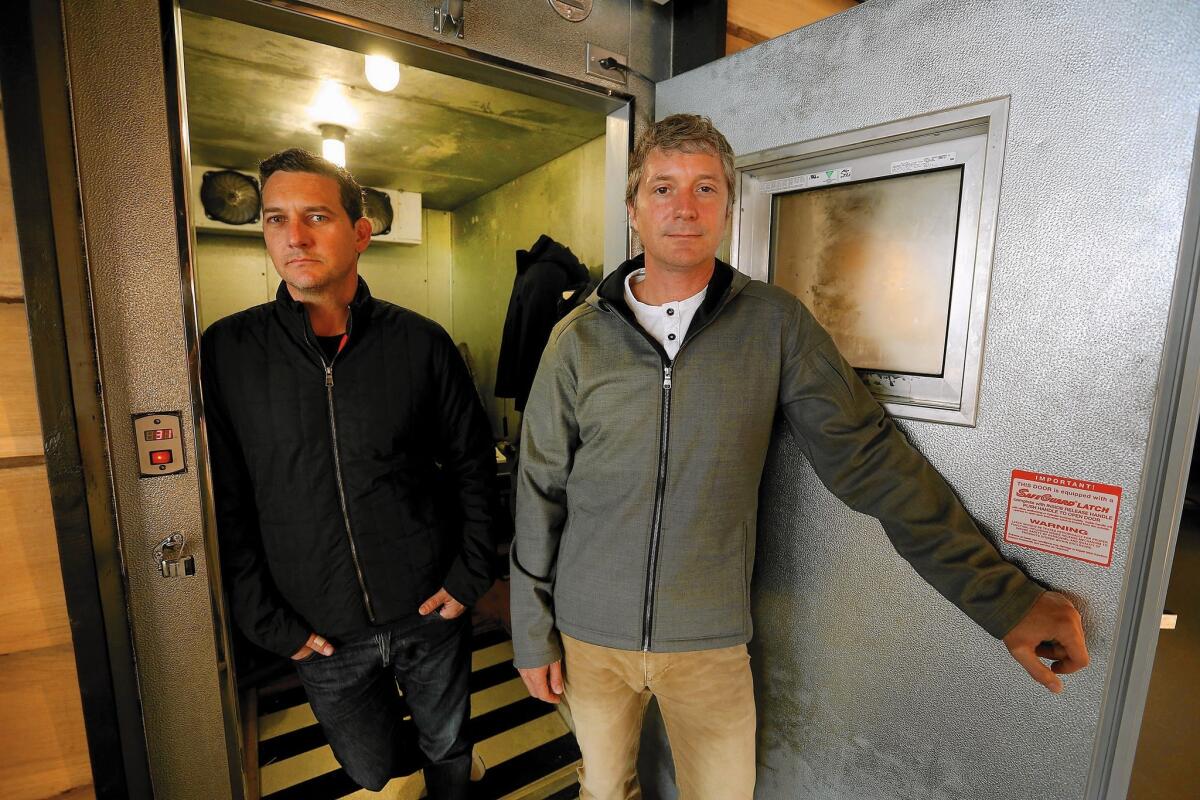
(352, 463)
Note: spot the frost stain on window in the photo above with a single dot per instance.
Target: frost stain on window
(874, 262)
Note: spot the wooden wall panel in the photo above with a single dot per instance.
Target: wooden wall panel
(44, 750)
(749, 22)
(10, 265)
(43, 744)
(33, 612)
(20, 428)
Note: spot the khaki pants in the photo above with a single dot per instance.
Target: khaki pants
(707, 702)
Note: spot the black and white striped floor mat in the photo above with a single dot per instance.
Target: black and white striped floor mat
(529, 752)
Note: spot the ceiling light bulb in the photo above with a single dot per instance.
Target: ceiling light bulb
(333, 144)
(382, 73)
(334, 151)
(330, 105)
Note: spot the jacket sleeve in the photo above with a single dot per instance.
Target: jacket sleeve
(549, 436)
(262, 615)
(467, 454)
(863, 458)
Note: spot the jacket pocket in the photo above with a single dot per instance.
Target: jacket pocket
(600, 576)
(401, 571)
(704, 588)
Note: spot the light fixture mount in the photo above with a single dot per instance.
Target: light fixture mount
(333, 143)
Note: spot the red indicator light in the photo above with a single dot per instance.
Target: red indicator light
(160, 457)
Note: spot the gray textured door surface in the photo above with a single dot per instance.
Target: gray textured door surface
(869, 684)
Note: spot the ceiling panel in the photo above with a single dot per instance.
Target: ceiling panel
(250, 93)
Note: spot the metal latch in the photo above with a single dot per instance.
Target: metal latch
(171, 561)
(449, 16)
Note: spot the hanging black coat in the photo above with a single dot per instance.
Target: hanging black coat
(544, 272)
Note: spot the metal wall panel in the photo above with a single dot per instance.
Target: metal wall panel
(124, 150)
(532, 33)
(127, 149)
(870, 685)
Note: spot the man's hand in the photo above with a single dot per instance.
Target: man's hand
(315, 644)
(450, 608)
(1050, 629)
(544, 683)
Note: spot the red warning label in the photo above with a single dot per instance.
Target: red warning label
(1063, 516)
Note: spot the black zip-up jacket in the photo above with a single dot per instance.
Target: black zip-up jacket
(347, 492)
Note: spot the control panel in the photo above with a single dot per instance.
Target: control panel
(159, 440)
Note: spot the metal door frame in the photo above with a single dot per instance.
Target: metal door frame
(1164, 482)
(338, 30)
(38, 118)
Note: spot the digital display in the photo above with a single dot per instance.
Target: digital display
(159, 434)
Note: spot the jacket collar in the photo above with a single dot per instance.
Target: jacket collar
(725, 284)
(362, 294)
(291, 311)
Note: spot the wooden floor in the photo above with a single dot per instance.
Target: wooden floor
(529, 752)
(1167, 764)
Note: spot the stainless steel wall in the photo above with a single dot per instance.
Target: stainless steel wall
(870, 685)
(124, 137)
(124, 160)
(530, 32)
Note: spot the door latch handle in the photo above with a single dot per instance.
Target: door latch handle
(171, 561)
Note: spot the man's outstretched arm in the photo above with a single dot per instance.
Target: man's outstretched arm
(863, 458)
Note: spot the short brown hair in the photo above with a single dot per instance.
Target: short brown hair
(298, 160)
(687, 133)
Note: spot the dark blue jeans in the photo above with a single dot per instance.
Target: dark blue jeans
(353, 694)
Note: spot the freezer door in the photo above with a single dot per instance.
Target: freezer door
(868, 683)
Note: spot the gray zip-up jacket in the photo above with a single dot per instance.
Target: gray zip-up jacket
(637, 489)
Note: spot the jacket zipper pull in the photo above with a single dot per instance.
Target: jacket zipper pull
(666, 377)
(329, 376)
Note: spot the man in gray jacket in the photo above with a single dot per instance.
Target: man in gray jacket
(642, 449)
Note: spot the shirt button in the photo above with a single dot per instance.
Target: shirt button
(670, 312)
(671, 336)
